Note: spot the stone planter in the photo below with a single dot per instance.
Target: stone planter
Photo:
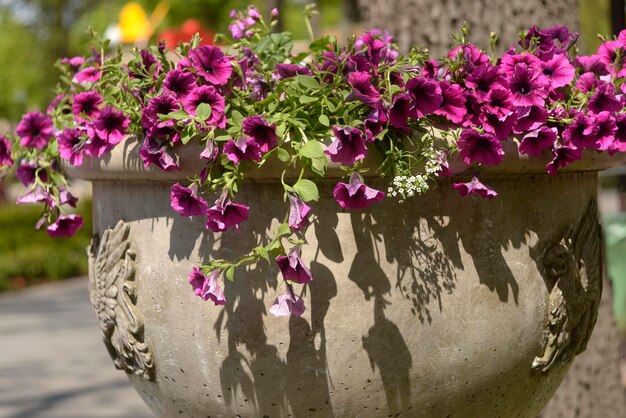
(441, 306)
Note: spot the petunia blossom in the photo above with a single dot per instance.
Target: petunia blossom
(35, 130)
(356, 195)
(5, 152)
(109, 125)
(347, 147)
(242, 149)
(604, 99)
(558, 70)
(453, 102)
(535, 142)
(563, 156)
(298, 213)
(287, 304)
(152, 151)
(71, 142)
(207, 287)
(426, 95)
(211, 64)
(400, 110)
(292, 267)
(261, 132)
(362, 88)
(185, 200)
(484, 148)
(210, 96)
(86, 103)
(528, 86)
(475, 187)
(87, 75)
(65, 226)
(225, 214)
(179, 83)
(619, 141)
(159, 105)
(375, 122)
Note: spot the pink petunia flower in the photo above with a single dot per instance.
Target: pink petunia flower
(210, 96)
(179, 83)
(475, 187)
(71, 142)
(535, 142)
(287, 304)
(185, 200)
(563, 156)
(356, 195)
(207, 287)
(426, 95)
(35, 130)
(65, 226)
(242, 149)
(347, 147)
(5, 152)
(86, 103)
(225, 214)
(362, 88)
(211, 64)
(475, 147)
(298, 213)
(453, 102)
(292, 267)
(261, 132)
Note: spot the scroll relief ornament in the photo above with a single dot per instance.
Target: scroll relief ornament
(113, 294)
(572, 269)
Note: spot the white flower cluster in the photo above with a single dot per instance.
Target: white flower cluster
(408, 186)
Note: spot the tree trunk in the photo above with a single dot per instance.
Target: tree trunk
(430, 22)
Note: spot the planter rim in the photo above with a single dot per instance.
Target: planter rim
(123, 163)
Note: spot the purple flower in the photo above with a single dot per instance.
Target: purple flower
(484, 78)
(356, 195)
(292, 267)
(209, 95)
(211, 63)
(591, 64)
(36, 195)
(74, 63)
(475, 186)
(65, 226)
(498, 102)
(153, 152)
(538, 140)
(348, 146)
(558, 71)
(528, 86)
(362, 88)
(475, 147)
(619, 142)
(426, 95)
(210, 152)
(262, 132)
(179, 83)
(5, 152)
(604, 99)
(607, 51)
(109, 125)
(28, 170)
(287, 304)
(185, 200)
(582, 132)
(66, 198)
(298, 213)
(605, 132)
(87, 75)
(207, 287)
(453, 102)
(375, 122)
(290, 70)
(563, 156)
(586, 82)
(243, 149)
(400, 110)
(530, 118)
(226, 214)
(70, 142)
(163, 105)
(35, 130)
(501, 127)
(86, 103)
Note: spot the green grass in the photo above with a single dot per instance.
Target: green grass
(28, 256)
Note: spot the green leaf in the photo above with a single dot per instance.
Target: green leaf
(230, 273)
(324, 120)
(187, 134)
(262, 252)
(308, 82)
(312, 149)
(283, 155)
(203, 111)
(236, 117)
(178, 115)
(319, 165)
(307, 99)
(283, 230)
(307, 190)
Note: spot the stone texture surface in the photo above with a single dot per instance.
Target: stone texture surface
(429, 23)
(591, 388)
(431, 308)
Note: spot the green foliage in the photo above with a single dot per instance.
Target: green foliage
(28, 256)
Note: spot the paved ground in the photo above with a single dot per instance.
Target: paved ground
(52, 361)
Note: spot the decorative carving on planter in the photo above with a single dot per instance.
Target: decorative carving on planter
(572, 269)
(113, 294)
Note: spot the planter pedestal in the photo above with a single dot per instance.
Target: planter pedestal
(440, 306)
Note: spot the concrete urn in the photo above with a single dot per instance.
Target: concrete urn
(441, 306)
